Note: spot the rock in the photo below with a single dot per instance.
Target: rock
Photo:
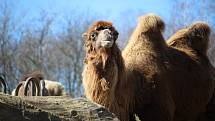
(51, 108)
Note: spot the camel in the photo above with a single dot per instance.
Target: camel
(151, 79)
(104, 78)
(193, 41)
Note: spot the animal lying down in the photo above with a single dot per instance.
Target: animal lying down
(42, 87)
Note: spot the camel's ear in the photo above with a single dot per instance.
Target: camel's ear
(84, 36)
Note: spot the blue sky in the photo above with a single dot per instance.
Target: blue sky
(120, 12)
(116, 11)
(113, 10)
(112, 7)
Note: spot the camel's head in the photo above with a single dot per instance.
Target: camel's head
(195, 37)
(198, 36)
(101, 35)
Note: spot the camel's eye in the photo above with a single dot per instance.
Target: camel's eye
(93, 35)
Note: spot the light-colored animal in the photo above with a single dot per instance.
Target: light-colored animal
(47, 88)
(54, 88)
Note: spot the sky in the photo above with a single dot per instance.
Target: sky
(122, 13)
(112, 10)
(117, 11)
(111, 7)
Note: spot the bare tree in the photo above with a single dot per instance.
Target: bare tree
(59, 56)
(72, 50)
(8, 44)
(33, 45)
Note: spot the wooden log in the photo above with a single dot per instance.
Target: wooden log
(51, 108)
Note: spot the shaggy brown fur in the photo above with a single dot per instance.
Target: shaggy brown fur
(145, 63)
(159, 82)
(104, 77)
(194, 38)
(198, 76)
(181, 81)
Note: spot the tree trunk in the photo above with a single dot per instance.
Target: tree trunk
(51, 108)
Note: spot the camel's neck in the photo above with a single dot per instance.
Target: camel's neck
(102, 76)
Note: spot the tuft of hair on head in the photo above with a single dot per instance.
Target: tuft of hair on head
(151, 22)
(199, 29)
(98, 24)
(95, 26)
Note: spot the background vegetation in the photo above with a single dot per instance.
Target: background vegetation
(56, 47)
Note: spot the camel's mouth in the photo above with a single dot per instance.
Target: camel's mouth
(106, 43)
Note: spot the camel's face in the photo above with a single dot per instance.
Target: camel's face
(102, 35)
(104, 38)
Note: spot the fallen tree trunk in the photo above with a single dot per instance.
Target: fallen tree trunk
(51, 108)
